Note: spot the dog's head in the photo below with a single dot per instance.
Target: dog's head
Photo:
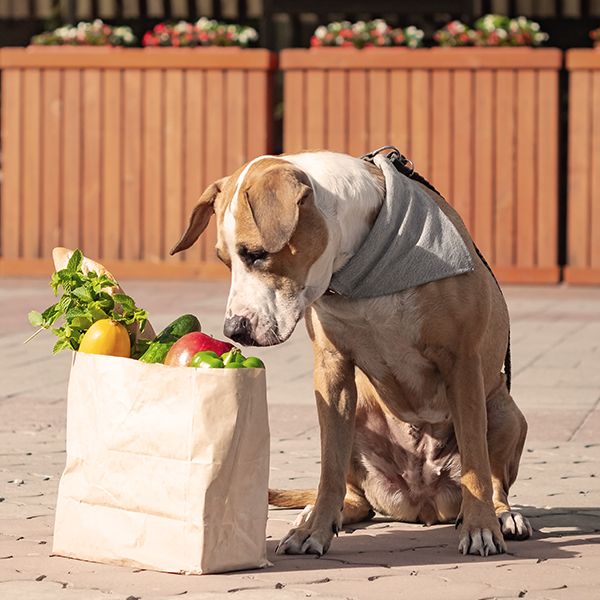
(273, 237)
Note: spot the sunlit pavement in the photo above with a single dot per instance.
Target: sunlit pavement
(556, 365)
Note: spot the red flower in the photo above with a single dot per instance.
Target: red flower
(315, 41)
(149, 39)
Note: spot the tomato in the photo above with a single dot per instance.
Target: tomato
(106, 337)
(185, 348)
(252, 362)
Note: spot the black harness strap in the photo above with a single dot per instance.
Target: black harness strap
(407, 168)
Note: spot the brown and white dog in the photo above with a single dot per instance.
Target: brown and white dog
(416, 419)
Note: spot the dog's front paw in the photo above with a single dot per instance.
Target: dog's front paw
(480, 541)
(307, 539)
(515, 526)
(480, 536)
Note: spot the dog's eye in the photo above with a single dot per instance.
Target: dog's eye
(252, 256)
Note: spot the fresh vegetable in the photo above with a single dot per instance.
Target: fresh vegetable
(206, 360)
(232, 357)
(183, 350)
(253, 363)
(234, 365)
(203, 355)
(84, 301)
(106, 337)
(159, 347)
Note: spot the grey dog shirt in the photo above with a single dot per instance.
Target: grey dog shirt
(412, 242)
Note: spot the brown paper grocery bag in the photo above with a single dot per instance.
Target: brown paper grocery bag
(167, 467)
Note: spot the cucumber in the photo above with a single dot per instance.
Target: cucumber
(161, 344)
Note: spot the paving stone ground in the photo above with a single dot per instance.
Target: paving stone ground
(556, 358)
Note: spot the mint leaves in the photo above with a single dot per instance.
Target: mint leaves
(83, 302)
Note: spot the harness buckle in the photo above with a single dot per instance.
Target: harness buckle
(394, 156)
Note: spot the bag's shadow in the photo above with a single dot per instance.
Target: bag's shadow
(383, 543)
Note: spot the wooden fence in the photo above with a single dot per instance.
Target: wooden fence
(108, 150)
(481, 124)
(583, 199)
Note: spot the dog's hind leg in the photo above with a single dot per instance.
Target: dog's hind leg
(507, 430)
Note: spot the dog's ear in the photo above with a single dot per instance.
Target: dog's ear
(200, 216)
(274, 204)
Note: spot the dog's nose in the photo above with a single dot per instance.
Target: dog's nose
(239, 330)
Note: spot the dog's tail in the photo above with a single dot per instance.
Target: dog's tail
(292, 498)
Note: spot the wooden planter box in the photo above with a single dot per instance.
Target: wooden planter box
(108, 150)
(583, 199)
(481, 124)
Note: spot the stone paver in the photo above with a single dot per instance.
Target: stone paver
(556, 358)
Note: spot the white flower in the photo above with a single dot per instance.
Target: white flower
(380, 25)
(321, 32)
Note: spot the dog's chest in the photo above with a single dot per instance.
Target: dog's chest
(388, 351)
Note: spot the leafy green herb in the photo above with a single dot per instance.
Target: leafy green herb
(84, 301)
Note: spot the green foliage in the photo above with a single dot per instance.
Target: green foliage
(84, 301)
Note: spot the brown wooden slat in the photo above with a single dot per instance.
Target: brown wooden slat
(11, 203)
(463, 146)
(529, 275)
(378, 113)
(594, 224)
(316, 101)
(31, 167)
(582, 59)
(235, 134)
(133, 207)
(173, 158)
(337, 111)
(505, 175)
(127, 269)
(51, 160)
(138, 58)
(294, 117)
(92, 161)
(581, 275)
(215, 158)
(579, 169)
(112, 198)
(526, 168)
(358, 140)
(153, 151)
(420, 110)
(441, 137)
(483, 163)
(72, 159)
(431, 58)
(400, 114)
(194, 151)
(258, 113)
(547, 169)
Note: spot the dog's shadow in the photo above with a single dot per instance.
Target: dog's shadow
(382, 543)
